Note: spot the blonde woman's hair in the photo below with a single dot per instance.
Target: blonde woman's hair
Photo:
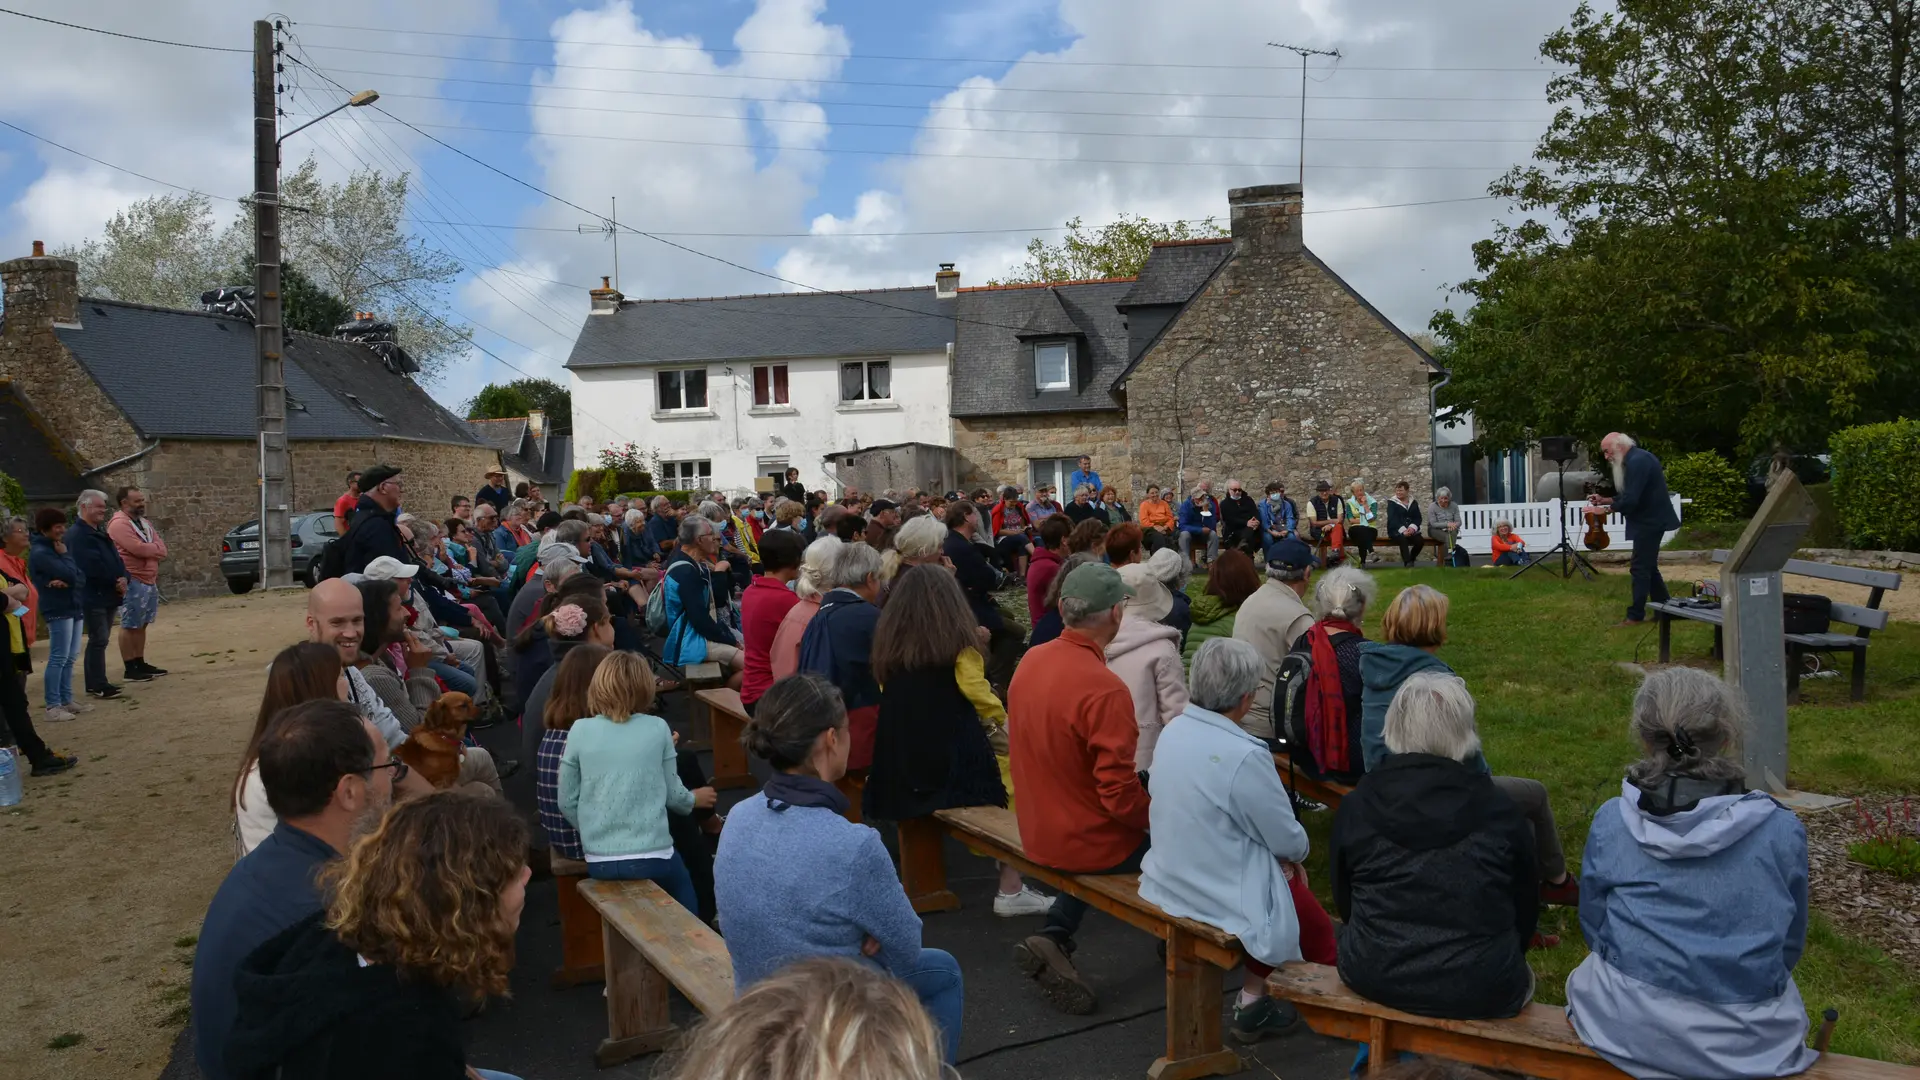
(820, 1019)
(1417, 617)
(788, 512)
(622, 688)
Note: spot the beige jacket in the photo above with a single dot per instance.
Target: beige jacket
(1272, 619)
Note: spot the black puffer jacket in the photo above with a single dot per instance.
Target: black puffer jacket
(1433, 873)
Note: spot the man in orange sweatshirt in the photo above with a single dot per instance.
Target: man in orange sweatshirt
(1081, 805)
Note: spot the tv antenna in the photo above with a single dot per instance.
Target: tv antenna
(1303, 52)
(608, 226)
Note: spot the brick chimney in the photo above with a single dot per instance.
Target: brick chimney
(537, 421)
(606, 298)
(946, 282)
(1265, 220)
(41, 292)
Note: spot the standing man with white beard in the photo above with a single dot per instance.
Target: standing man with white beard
(1640, 495)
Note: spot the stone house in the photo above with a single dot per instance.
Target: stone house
(1245, 356)
(164, 400)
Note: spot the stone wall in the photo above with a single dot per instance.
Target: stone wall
(1276, 371)
(39, 293)
(993, 451)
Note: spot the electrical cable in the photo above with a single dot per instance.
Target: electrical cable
(128, 37)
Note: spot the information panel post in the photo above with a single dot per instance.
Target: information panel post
(1754, 634)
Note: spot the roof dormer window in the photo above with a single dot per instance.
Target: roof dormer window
(1052, 365)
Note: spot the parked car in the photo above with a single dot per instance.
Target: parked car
(1810, 468)
(240, 550)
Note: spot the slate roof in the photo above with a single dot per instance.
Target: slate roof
(502, 435)
(1175, 270)
(792, 324)
(32, 454)
(548, 460)
(189, 374)
(992, 375)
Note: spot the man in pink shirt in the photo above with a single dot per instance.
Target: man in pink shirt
(141, 549)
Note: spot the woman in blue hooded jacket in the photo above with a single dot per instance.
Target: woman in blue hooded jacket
(58, 577)
(1414, 626)
(1695, 903)
(696, 631)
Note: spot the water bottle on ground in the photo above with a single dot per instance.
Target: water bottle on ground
(9, 777)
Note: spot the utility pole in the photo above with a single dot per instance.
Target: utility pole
(1303, 53)
(608, 227)
(276, 550)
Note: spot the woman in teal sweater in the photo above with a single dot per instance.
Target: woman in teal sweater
(618, 780)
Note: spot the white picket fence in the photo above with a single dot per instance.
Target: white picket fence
(1537, 523)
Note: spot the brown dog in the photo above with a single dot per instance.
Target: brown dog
(433, 748)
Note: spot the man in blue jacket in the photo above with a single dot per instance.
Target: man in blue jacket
(1200, 524)
(1640, 495)
(106, 577)
(1085, 475)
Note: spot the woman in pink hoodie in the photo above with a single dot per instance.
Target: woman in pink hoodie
(1146, 656)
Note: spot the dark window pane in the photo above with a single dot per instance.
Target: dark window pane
(780, 384)
(852, 382)
(760, 387)
(696, 382)
(670, 390)
(880, 380)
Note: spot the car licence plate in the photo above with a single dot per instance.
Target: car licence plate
(249, 545)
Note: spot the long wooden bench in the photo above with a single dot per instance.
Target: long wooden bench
(1329, 792)
(1198, 955)
(1539, 1042)
(652, 944)
(1864, 620)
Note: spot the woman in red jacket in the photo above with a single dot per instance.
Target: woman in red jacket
(1508, 548)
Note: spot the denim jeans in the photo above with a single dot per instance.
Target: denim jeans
(936, 980)
(1063, 919)
(455, 678)
(99, 628)
(62, 650)
(671, 875)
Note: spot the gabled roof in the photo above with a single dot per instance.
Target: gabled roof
(545, 460)
(1049, 319)
(32, 454)
(503, 435)
(1176, 269)
(190, 374)
(991, 372)
(766, 326)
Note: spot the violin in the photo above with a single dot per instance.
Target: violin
(1596, 538)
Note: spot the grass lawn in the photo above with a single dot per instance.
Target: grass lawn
(1541, 658)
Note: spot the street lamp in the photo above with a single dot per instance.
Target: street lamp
(364, 97)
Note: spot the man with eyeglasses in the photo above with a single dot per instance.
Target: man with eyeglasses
(329, 779)
(374, 531)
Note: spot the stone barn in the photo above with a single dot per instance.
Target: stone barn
(164, 400)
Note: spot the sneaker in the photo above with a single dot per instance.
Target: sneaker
(54, 764)
(1024, 902)
(1263, 1019)
(1044, 960)
(151, 670)
(136, 673)
(78, 706)
(1565, 894)
(57, 713)
(106, 693)
(1544, 941)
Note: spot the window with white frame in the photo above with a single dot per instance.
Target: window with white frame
(683, 389)
(866, 380)
(1051, 366)
(686, 475)
(1053, 472)
(769, 385)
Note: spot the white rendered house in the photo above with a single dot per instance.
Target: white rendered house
(727, 389)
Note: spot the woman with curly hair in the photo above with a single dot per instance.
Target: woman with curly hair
(419, 923)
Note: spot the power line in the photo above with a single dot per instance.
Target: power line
(879, 56)
(127, 37)
(111, 165)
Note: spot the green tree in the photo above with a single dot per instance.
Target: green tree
(1707, 275)
(498, 401)
(1116, 250)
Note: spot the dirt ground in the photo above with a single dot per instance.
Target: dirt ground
(108, 868)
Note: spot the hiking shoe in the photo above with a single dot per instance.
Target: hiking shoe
(136, 673)
(1044, 960)
(1565, 894)
(106, 693)
(57, 713)
(1544, 941)
(1263, 1019)
(1024, 902)
(54, 764)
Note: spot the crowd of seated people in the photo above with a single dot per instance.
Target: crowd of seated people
(874, 659)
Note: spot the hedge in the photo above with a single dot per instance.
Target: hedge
(1718, 492)
(647, 496)
(13, 497)
(1875, 487)
(602, 483)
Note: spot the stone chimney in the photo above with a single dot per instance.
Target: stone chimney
(537, 420)
(606, 298)
(946, 282)
(1265, 220)
(41, 292)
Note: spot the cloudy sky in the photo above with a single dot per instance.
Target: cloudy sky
(830, 143)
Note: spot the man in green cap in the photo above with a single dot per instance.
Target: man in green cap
(1066, 710)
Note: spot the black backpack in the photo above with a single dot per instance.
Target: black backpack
(333, 559)
(1459, 557)
(1289, 708)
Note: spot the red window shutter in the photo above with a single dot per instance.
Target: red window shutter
(780, 384)
(760, 386)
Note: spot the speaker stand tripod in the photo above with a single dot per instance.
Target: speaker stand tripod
(1570, 557)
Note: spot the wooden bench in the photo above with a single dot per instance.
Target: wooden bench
(1329, 792)
(726, 722)
(1539, 1042)
(652, 944)
(581, 947)
(1864, 620)
(1198, 955)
